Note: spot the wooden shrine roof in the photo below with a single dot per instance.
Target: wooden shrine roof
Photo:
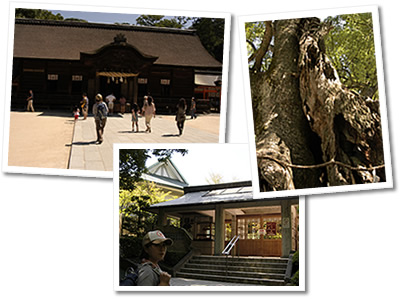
(65, 40)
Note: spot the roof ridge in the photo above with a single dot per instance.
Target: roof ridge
(103, 26)
(211, 187)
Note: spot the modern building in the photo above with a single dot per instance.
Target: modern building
(59, 60)
(214, 214)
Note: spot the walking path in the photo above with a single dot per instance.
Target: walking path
(40, 139)
(87, 155)
(54, 140)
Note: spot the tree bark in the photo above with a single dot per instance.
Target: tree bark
(304, 116)
(348, 125)
(281, 129)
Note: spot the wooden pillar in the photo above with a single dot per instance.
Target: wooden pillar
(162, 218)
(219, 230)
(234, 232)
(135, 89)
(286, 228)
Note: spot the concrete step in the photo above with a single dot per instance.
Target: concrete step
(239, 263)
(253, 281)
(255, 260)
(244, 268)
(242, 274)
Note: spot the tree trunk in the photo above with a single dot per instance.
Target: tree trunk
(304, 116)
(282, 131)
(348, 125)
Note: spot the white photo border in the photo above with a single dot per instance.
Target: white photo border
(382, 96)
(302, 230)
(101, 9)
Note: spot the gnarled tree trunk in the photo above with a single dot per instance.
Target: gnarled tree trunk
(304, 116)
(282, 130)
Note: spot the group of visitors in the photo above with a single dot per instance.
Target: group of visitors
(101, 110)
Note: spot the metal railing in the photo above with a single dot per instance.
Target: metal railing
(230, 245)
(228, 250)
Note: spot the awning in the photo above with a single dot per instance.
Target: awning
(117, 74)
(207, 80)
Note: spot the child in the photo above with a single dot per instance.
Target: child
(76, 113)
(135, 120)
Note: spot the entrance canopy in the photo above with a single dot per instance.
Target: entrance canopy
(230, 196)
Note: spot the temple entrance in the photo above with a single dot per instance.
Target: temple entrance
(259, 235)
(108, 86)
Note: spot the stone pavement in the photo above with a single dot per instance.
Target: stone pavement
(40, 139)
(87, 155)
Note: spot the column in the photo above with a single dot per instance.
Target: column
(135, 89)
(234, 221)
(219, 230)
(286, 228)
(162, 218)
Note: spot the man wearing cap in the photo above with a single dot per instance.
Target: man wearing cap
(154, 249)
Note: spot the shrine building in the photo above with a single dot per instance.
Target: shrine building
(215, 214)
(60, 60)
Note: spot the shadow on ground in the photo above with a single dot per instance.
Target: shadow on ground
(81, 143)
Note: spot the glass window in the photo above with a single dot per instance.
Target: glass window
(253, 227)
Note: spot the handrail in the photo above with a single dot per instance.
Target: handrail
(230, 245)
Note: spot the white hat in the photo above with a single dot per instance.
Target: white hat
(156, 237)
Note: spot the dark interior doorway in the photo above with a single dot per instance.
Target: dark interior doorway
(108, 86)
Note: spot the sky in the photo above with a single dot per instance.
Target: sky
(232, 161)
(99, 17)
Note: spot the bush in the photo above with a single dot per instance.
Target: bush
(295, 279)
(295, 262)
(130, 247)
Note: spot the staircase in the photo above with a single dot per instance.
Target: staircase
(248, 270)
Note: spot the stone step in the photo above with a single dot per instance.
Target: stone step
(239, 263)
(277, 260)
(246, 268)
(242, 274)
(252, 281)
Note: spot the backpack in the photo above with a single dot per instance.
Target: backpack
(131, 276)
(101, 111)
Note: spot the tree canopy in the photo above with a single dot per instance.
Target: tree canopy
(162, 21)
(133, 204)
(37, 14)
(350, 46)
(349, 42)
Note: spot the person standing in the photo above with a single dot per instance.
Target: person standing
(154, 246)
(100, 112)
(29, 107)
(193, 109)
(85, 105)
(135, 117)
(110, 99)
(181, 115)
(149, 110)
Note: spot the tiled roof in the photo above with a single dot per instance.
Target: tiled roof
(66, 40)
